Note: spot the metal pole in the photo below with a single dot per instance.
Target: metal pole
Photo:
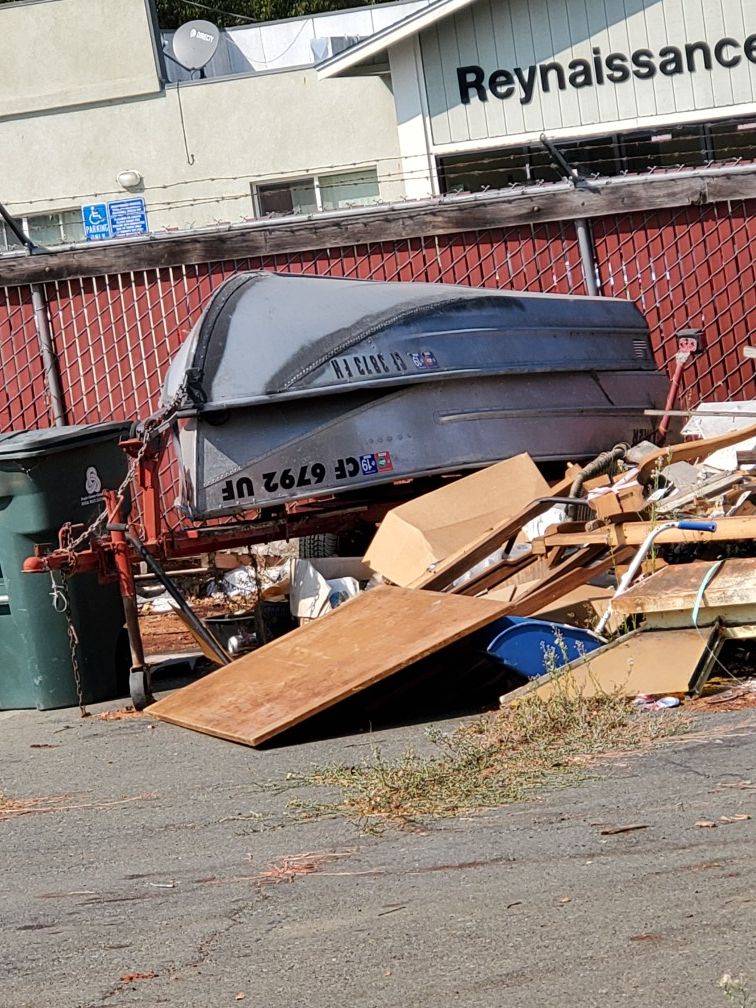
(587, 259)
(582, 226)
(42, 325)
(49, 360)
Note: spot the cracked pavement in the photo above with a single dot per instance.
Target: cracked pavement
(148, 863)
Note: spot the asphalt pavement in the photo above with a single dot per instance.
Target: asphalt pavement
(169, 868)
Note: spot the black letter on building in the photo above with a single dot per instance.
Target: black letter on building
(527, 80)
(617, 68)
(470, 78)
(670, 61)
(546, 69)
(719, 56)
(597, 65)
(580, 73)
(643, 61)
(691, 49)
(501, 84)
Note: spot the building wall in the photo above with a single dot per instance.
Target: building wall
(62, 53)
(571, 66)
(199, 146)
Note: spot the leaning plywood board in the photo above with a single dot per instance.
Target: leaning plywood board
(645, 661)
(415, 536)
(312, 668)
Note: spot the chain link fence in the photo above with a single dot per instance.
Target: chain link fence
(114, 335)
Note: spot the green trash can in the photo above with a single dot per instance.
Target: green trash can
(48, 478)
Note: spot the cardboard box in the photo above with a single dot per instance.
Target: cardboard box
(626, 500)
(414, 536)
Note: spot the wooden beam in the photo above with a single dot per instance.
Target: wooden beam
(633, 534)
(687, 451)
(389, 223)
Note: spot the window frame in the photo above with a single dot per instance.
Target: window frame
(317, 179)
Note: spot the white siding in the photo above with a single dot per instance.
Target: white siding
(509, 34)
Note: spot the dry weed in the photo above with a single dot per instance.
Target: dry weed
(494, 761)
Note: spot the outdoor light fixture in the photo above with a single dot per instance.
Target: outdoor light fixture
(129, 179)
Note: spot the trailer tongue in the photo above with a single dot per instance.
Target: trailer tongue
(293, 387)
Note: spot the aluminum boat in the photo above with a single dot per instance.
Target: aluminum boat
(293, 387)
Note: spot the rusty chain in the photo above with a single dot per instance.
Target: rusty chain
(61, 601)
(60, 595)
(153, 426)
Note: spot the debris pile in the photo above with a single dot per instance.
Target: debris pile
(628, 576)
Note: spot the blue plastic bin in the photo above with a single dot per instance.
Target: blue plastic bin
(534, 647)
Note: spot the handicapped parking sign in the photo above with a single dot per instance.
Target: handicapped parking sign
(96, 221)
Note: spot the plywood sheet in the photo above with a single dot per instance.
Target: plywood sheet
(312, 668)
(646, 661)
(676, 588)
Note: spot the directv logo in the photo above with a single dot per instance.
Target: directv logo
(200, 35)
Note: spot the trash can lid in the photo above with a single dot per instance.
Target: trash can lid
(35, 443)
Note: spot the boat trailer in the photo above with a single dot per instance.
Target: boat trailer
(303, 405)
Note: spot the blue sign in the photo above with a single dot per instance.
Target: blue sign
(128, 217)
(119, 219)
(96, 221)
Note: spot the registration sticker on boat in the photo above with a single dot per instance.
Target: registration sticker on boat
(376, 463)
(426, 359)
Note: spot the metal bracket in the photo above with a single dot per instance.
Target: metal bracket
(565, 169)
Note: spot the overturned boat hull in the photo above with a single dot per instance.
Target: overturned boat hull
(295, 387)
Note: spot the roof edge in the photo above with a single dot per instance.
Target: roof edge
(389, 36)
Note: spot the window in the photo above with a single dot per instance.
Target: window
(58, 228)
(287, 198)
(475, 172)
(319, 192)
(7, 239)
(730, 142)
(664, 149)
(641, 151)
(348, 189)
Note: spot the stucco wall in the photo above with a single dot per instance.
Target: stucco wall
(235, 132)
(61, 53)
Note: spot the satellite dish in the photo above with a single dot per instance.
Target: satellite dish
(194, 44)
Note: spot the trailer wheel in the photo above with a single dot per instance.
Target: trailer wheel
(324, 545)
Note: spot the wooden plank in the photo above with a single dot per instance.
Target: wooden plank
(689, 450)
(388, 223)
(287, 681)
(633, 534)
(707, 616)
(658, 662)
(561, 583)
(676, 588)
(581, 607)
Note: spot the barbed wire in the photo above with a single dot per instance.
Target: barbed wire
(700, 141)
(466, 173)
